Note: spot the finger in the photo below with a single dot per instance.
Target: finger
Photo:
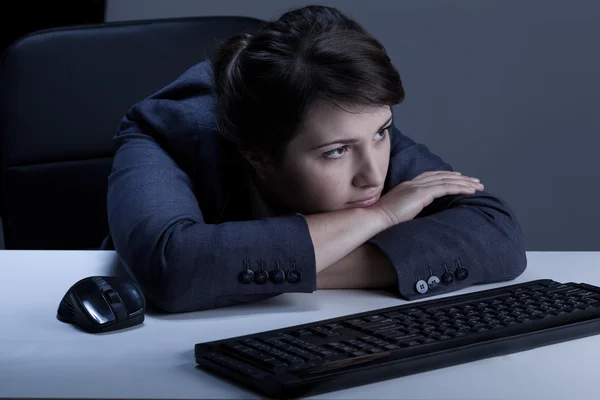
(453, 186)
(433, 173)
(446, 178)
(453, 182)
(448, 189)
(443, 175)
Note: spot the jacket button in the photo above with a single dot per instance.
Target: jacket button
(461, 273)
(433, 281)
(246, 276)
(277, 276)
(261, 276)
(447, 278)
(421, 286)
(294, 276)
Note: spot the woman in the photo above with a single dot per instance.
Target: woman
(275, 167)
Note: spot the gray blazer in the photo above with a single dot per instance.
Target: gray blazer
(189, 226)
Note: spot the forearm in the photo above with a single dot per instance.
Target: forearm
(477, 232)
(336, 234)
(364, 268)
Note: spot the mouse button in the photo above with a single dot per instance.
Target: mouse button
(94, 303)
(112, 296)
(131, 297)
(119, 311)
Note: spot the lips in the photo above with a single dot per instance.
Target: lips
(367, 201)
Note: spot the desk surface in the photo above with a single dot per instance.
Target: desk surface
(42, 357)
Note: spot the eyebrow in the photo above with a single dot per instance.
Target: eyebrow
(349, 141)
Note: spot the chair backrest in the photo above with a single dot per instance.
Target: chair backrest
(63, 93)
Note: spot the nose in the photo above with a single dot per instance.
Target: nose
(368, 173)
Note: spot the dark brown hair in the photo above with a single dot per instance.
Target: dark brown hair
(266, 83)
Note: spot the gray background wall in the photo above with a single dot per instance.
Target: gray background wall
(507, 91)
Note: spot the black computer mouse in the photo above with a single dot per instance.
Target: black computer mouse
(100, 304)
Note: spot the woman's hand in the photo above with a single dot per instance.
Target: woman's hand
(408, 199)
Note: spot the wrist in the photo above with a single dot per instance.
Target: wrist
(373, 221)
(382, 220)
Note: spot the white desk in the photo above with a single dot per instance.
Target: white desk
(42, 357)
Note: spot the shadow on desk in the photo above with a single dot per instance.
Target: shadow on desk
(289, 303)
(276, 304)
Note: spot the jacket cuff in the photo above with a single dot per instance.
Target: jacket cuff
(456, 246)
(417, 260)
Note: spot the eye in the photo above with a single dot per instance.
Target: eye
(336, 153)
(379, 136)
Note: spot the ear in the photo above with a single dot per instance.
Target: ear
(262, 164)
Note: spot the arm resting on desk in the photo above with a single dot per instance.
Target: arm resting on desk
(182, 263)
(496, 256)
(156, 222)
(479, 230)
(163, 165)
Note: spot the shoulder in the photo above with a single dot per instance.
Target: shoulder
(182, 109)
(188, 99)
(181, 117)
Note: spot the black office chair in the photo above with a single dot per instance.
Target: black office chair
(63, 93)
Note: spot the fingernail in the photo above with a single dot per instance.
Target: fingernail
(475, 179)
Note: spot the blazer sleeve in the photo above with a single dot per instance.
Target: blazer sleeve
(159, 231)
(477, 232)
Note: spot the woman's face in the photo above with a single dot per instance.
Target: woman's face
(338, 160)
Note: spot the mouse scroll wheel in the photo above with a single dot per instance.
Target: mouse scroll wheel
(112, 296)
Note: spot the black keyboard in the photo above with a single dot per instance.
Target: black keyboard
(372, 346)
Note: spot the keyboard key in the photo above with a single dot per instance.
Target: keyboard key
(408, 339)
(373, 318)
(378, 323)
(302, 332)
(355, 322)
(323, 332)
(394, 314)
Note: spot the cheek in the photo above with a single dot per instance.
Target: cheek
(385, 157)
(322, 180)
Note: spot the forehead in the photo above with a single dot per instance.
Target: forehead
(326, 121)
